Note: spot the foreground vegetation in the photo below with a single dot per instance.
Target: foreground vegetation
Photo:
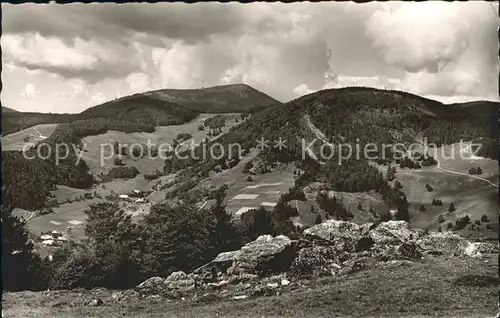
(450, 287)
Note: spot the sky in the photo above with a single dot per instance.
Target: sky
(66, 58)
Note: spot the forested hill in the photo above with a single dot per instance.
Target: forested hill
(236, 98)
(355, 116)
(8, 110)
(144, 111)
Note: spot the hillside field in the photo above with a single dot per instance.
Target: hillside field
(15, 141)
(162, 135)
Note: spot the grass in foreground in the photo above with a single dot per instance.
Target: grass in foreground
(439, 286)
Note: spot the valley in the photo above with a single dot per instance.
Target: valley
(264, 191)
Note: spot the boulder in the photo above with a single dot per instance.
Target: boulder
(266, 290)
(317, 261)
(365, 229)
(408, 251)
(334, 232)
(96, 302)
(179, 283)
(443, 243)
(394, 233)
(176, 285)
(356, 265)
(220, 264)
(151, 285)
(263, 256)
(479, 249)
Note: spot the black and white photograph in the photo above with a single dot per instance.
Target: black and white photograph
(261, 159)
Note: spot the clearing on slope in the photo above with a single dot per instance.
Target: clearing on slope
(217, 99)
(32, 135)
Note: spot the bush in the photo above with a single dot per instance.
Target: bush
(479, 170)
(123, 172)
(247, 167)
(429, 161)
(449, 226)
(484, 218)
(429, 188)
(422, 208)
(462, 222)
(452, 207)
(437, 202)
(472, 171)
(257, 222)
(440, 218)
(22, 268)
(360, 207)
(46, 211)
(439, 229)
(249, 179)
(183, 137)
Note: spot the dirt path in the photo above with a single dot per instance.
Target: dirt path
(463, 174)
(39, 133)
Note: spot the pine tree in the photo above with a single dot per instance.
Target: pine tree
(22, 268)
(224, 235)
(452, 207)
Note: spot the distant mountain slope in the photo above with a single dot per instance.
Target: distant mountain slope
(217, 99)
(140, 109)
(144, 111)
(8, 110)
(355, 116)
(16, 121)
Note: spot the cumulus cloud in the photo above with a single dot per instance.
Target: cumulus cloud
(104, 51)
(30, 91)
(445, 48)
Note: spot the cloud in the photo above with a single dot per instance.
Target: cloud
(109, 50)
(121, 23)
(83, 59)
(30, 91)
(445, 48)
(138, 82)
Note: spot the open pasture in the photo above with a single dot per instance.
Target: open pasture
(95, 145)
(15, 141)
(470, 196)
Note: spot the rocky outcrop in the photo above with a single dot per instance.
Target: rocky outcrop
(265, 255)
(176, 285)
(179, 283)
(331, 231)
(480, 249)
(395, 233)
(331, 248)
(220, 264)
(151, 285)
(317, 261)
(443, 243)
